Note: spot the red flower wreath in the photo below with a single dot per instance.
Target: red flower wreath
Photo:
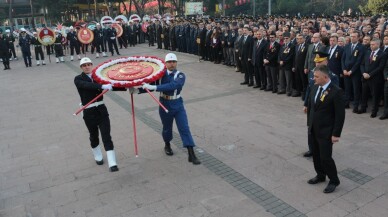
(129, 71)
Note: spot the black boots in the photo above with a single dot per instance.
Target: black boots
(6, 66)
(167, 149)
(192, 158)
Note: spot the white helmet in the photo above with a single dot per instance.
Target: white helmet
(22, 29)
(85, 60)
(170, 57)
(7, 30)
(71, 27)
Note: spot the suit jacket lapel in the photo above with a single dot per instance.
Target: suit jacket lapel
(327, 90)
(86, 78)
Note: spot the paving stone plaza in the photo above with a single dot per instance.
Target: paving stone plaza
(250, 143)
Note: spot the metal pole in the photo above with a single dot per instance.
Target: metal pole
(254, 8)
(269, 7)
(223, 7)
(32, 15)
(10, 15)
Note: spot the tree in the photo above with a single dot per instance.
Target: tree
(55, 9)
(375, 7)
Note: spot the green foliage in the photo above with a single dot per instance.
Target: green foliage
(375, 7)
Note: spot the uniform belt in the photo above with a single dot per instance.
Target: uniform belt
(95, 104)
(167, 97)
(37, 45)
(57, 43)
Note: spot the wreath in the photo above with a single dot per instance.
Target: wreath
(129, 71)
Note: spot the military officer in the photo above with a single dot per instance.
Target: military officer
(38, 50)
(24, 43)
(10, 39)
(170, 88)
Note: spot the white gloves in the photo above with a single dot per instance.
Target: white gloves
(149, 87)
(133, 90)
(107, 87)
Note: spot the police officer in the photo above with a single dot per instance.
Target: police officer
(98, 41)
(170, 87)
(10, 39)
(74, 43)
(38, 50)
(4, 52)
(111, 38)
(24, 43)
(58, 47)
(96, 115)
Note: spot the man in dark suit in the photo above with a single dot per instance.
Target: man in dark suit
(315, 46)
(326, 117)
(237, 48)
(208, 49)
(246, 57)
(259, 46)
(372, 69)
(335, 56)
(385, 44)
(131, 34)
(271, 63)
(299, 60)
(351, 61)
(286, 62)
(158, 33)
(385, 114)
(96, 115)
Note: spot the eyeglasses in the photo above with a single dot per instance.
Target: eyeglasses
(271, 37)
(86, 64)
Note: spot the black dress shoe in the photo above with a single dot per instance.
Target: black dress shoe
(308, 154)
(361, 111)
(373, 115)
(244, 83)
(168, 150)
(281, 92)
(296, 95)
(250, 85)
(192, 158)
(330, 188)
(355, 110)
(101, 162)
(384, 116)
(289, 94)
(256, 86)
(267, 90)
(262, 88)
(113, 169)
(316, 180)
(347, 106)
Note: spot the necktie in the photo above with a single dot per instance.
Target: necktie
(300, 47)
(319, 94)
(371, 56)
(258, 44)
(352, 48)
(331, 49)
